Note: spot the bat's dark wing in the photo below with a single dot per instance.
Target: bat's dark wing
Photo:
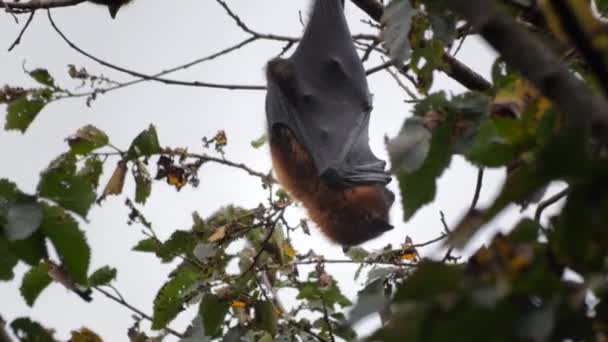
(330, 106)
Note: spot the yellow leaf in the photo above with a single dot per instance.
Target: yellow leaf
(116, 182)
(409, 255)
(218, 234)
(220, 138)
(238, 304)
(289, 251)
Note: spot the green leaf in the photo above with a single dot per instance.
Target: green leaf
(22, 111)
(43, 77)
(265, 316)
(181, 242)
(31, 250)
(418, 188)
(259, 142)
(212, 311)
(87, 139)
(397, 20)
(60, 184)
(92, 169)
(8, 260)
(357, 254)
(145, 144)
(30, 331)
(34, 282)
(69, 242)
(490, 148)
(171, 297)
(430, 280)
(102, 276)
(143, 183)
(147, 245)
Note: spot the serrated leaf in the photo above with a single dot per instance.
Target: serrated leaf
(92, 169)
(170, 299)
(116, 182)
(397, 20)
(259, 142)
(87, 139)
(22, 219)
(22, 111)
(30, 331)
(181, 242)
(8, 260)
(60, 184)
(31, 250)
(34, 282)
(149, 245)
(419, 187)
(212, 311)
(69, 241)
(43, 77)
(143, 183)
(145, 144)
(102, 276)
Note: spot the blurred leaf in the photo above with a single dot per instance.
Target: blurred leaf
(369, 300)
(92, 169)
(418, 188)
(143, 183)
(266, 316)
(8, 260)
(409, 149)
(59, 183)
(212, 311)
(87, 139)
(43, 77)
(69, 241)
(196, 332)
(259, 142)
(357, 254)
(85, 335)
(116, 182)
(22, 111)
(22, 219)
(147, 245)
(30, 331)
(145, 144)
(429, 281)
(34, 282)
(31, 250)
(171, 298)
(204, 251)
(102, 276)
(397, 20)
(490, 148)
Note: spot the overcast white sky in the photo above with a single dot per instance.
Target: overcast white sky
(153, 36)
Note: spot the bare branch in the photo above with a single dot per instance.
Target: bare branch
(27, 24)
(149, 77)
(549, 202)
(478, 186)
(33, 5)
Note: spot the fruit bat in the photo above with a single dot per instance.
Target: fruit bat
(318, 108)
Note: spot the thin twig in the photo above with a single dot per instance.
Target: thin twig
(550, 201)
(150, 77)
(27, 24)
(477, 189)
(134, 309)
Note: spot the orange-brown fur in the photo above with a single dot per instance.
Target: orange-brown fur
(348, 216)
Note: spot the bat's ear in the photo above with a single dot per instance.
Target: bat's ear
(113, 8)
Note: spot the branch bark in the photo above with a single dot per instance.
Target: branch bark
(33, 5)
(584, 107)
(454, 68)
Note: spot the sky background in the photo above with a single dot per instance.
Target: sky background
(153, 36)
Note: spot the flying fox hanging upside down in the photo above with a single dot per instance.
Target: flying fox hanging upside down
(318, 108)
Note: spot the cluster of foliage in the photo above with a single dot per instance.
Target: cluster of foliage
(513, 289)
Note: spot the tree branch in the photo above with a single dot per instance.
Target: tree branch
(27, 24)
(453, 68)
(537, 63)
(33, 5)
